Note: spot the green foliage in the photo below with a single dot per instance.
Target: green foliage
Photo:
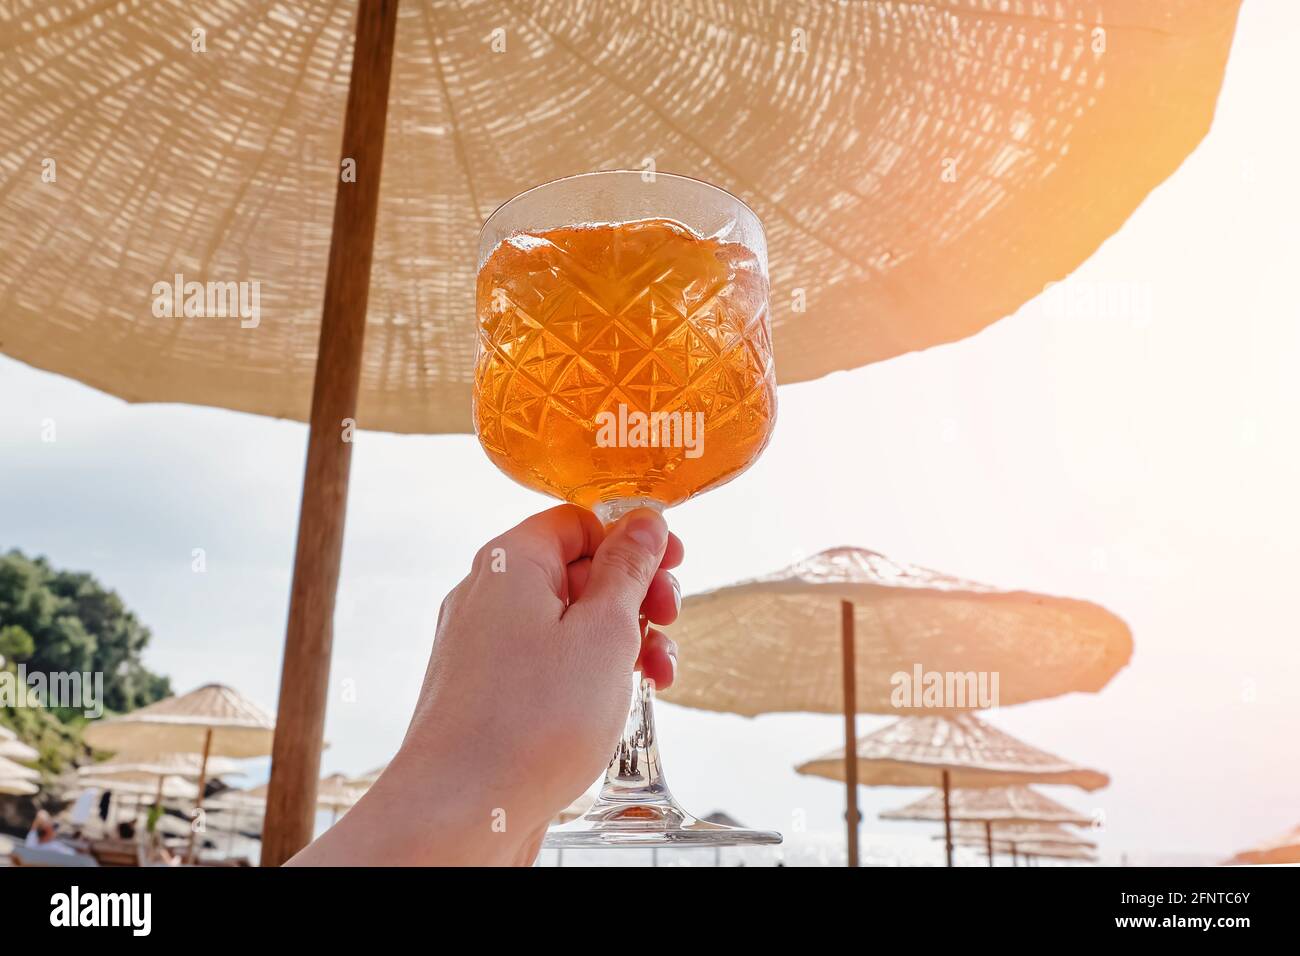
(64, 621)
(75, 624)
(15, 643)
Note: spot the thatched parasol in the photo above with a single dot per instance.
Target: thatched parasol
(213, 720)
(830, 633)
(17, 780)
(912, 184)
(950, 751)
(1284, 848)
(1030, 845)
(15, 749)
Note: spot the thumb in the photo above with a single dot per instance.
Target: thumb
(625, 563)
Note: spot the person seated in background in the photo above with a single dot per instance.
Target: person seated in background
(43, 836)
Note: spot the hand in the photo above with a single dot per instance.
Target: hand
(525, 696)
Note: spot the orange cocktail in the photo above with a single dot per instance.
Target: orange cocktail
(628, 360)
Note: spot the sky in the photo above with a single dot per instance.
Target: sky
(1143, 457)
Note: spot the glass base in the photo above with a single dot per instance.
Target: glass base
(635, 807)
(649, 824)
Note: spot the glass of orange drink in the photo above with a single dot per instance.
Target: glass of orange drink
(625, 361)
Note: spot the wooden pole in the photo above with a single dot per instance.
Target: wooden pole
(308, 642)
(947, 816)
(203, 782)
(850, 728)
(988, 839)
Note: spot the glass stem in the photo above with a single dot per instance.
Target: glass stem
(635, 773)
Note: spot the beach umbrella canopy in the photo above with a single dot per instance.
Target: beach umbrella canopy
(239, 800)
(17, 788)
(235, 725)
(146, 767)
(951, 751)
(1284, 848)
(15, 749)
(1030, 848)
(999, 805)
(912, 163)
(336, 792)
(165, 788)
(333, 792)
(1020, 834)
(833, 633)
(773, 643)
(213, 720)
(9, 770)
(918, 751)
(367, 780)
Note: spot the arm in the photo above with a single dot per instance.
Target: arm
(525, 694)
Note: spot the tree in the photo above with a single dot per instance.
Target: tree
(15, 643)
(75, 624)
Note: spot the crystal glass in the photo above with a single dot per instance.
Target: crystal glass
(625, 361)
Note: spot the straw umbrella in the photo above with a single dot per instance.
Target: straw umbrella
(1029, 846)
(1000, 806)
(15, 749)
(1284, 848)
(153, 768)
(829, 634)
(951, 751)
(917, 216)
(213, 720)
(367, 780)
(17, 780)
(1016, 836)
(335, 792)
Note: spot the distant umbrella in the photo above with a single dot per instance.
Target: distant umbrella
(213, 720)
(15, 749)
(17, 780)
(1029, 848)
(9, 770)
(828, 634)
(1284, 848)
(147, 767)
(951, 751)
(1002, 805)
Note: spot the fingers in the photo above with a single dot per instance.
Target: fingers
(550, 540)
(625, 563)
(665, 594)
(658, 659)
(663, 599)
(674, 553)
(564, 533)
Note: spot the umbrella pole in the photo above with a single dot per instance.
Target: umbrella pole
(947, 816)
(850, 729)
(988, 839)
(203, 782)
(304, 675)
